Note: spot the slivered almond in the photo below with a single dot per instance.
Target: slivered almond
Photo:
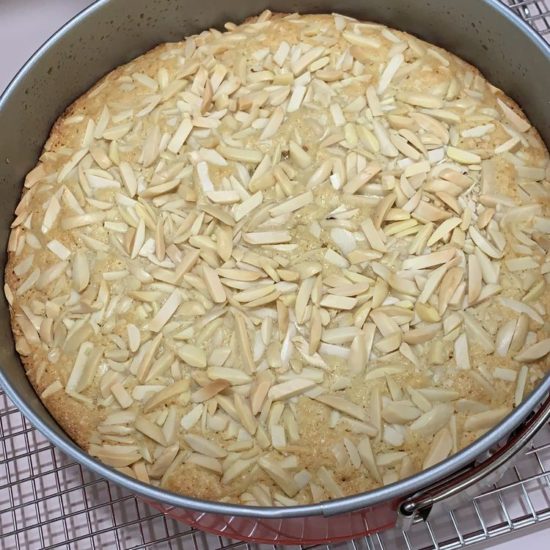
(214, 285)
(204, 446)
(374, 235)
(299, 156)
(342, 404)
(474, 278)
(362, 178)
(259, 392)
(443, 230)
(516, 120)
(534, 352)
(338, 302)
(248, 206)
(420, 100)
(166, 312)
(51, 389)
(161, 189)
(224, 197)
(81, 271)
(296, 98)
(151, 430)
(374, 101)
(122, 396)
(244, 343)
(299, 65)
(283, 479)
(180, 135)
(429, 260)
(164, 396)
(520, 307)
(240, 155)
(427, 313)
(268, 299)
(186, 264)
(51, 214)
(239, 274)
(350, 290)
(327, 480)
(433, 420)
(218, 213)
(421, 335)
(389, 72)
(84, 368)
(461, 156)
(207, 462)
(315, 330)
(134, 337)
(486, 419)
(427, 212)
(237, 468)
(285, 390)
(254, 293)
(504, 337)
(192, 417)
(267, 237)
(520, 385)
(386, 325)
(448, 286)
(244, 413)
(302, 299)
(192, 355)
(484, 245)
(295, 203)
(400, 412)
(274, 123)
(367, 456)
(382, 209)
(60, 250)
(440, 448)
(461, 352)
(389, 343)
(71, 164)
(116, 456)
(231, 375)
(210, 390)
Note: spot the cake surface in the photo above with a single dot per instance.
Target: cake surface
(284, 263)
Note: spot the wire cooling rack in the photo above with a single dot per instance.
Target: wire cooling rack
(536, 12)
(49, 501)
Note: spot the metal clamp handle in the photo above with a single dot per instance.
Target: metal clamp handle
(420, 504)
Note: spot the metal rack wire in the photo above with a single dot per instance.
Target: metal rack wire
(536, 12)
(49, 501)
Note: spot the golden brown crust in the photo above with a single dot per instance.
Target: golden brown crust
(75, 418)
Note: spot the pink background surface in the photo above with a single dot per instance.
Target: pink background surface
(24, 26)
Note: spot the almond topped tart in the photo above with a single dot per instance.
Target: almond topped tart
(284, 263)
